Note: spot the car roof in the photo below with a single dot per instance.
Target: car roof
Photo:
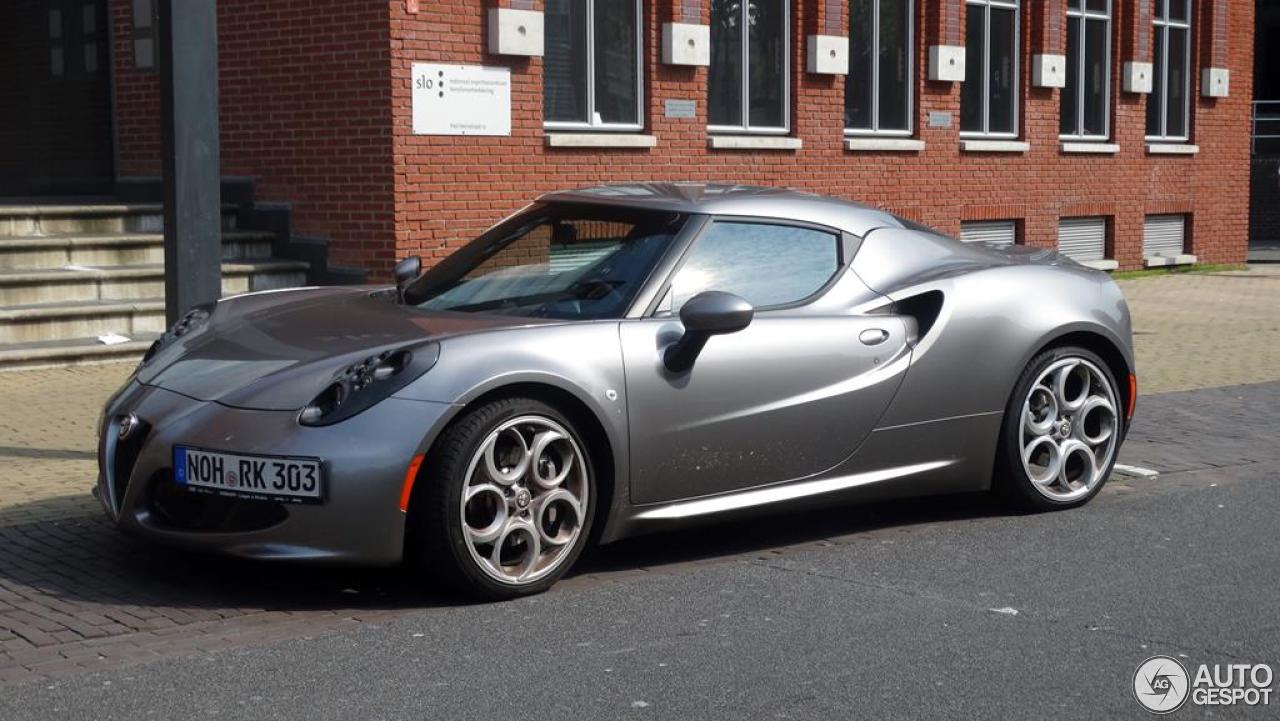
(738, 200)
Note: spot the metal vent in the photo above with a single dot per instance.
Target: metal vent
(1083, 239)
(992, 232)
(1164, 236)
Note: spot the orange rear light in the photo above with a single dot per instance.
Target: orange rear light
(1133, 396)
(410, 475)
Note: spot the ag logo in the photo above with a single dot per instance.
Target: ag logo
(1161, 684)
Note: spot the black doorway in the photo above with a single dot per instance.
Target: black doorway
(55, 80)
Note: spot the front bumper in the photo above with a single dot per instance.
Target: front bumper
(365, 459)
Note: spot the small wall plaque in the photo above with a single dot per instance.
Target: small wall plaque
(681, 108)
(939, 120)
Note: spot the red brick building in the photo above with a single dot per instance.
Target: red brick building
(1119, 128)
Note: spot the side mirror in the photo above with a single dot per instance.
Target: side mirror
(706, 314)
(405, 271)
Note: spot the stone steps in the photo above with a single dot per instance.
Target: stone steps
(71, 351)
(122, 248)
(28, 220)
(87, 319)
(132, 282)
(73, 271)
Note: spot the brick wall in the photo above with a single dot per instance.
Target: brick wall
(449, 188)
(317, 94)
(304, 107)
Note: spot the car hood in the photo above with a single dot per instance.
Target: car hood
(277, 350)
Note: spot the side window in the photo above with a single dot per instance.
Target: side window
(768, 265)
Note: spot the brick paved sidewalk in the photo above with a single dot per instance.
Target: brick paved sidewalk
(1206, 330)
(74, 594)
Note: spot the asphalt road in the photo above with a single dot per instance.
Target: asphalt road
(945, 608)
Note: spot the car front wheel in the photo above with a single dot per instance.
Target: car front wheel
(506, 501)
(1062, 431)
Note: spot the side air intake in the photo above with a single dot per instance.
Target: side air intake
(924, 308)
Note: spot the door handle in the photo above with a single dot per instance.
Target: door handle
(873, 336)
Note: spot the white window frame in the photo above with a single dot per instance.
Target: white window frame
(1161, 22)
(592, 115)
(1085, 15)
(745, 83)
(875, 76)
(1016, 6)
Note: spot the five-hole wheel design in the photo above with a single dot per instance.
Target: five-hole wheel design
(523, 504)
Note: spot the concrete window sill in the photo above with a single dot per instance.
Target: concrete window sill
(1172, 149)
(753, 142)
(893, 145)
(994, 146)
(600, 140)
(1100, 264)
(1083, 147)
(1163, 261)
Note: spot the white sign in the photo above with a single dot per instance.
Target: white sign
(461, 100)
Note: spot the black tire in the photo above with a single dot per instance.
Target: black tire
(436, 525)
(1011, 479)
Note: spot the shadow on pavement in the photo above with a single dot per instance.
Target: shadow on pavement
(769, 532)
(51, 454)
(85, 562)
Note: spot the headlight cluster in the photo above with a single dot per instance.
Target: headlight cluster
(194, 318)
(360, 385)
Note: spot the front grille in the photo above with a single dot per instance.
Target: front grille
(121, 457)
(178, 508)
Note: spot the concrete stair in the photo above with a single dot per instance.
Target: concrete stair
(70, 273)
(107, 249)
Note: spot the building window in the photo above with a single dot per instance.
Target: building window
(748, 84)
(1085, 99)
(57, 64)
(144, 34)
(877, 95)
(592, 64)
(989, 97)
(1169, 106)
(89, 35)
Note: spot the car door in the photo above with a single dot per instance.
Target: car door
(790, 396)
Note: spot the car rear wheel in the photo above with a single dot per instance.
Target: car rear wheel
(1062, 430)
(507, 499)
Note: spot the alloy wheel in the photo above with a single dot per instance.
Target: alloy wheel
(525, 499)
(1069, 429)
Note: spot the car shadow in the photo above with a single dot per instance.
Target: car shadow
(783, 530)
(83, 561)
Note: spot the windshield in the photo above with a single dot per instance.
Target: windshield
(553, 261)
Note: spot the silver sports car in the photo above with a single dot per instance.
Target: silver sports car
(617, 360)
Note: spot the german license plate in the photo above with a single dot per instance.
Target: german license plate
(269, 478)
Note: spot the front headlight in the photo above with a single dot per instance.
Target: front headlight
(194, 319)
(361, 385)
